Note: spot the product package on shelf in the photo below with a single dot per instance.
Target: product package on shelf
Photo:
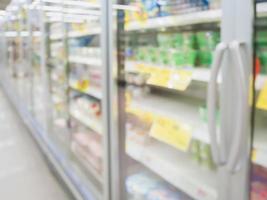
(145, 128)
(85, 77)
(85, 46)
(259, 183)
(88, 146)
(147, 186)
(161, 8)
(179, 50)
(201, 150)
(87, 105)
(57, 29)
(85, 26)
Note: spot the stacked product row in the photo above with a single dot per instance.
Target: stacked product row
(186, 49)
(154, 8)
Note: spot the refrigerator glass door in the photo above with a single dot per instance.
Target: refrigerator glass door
(258, 184)
(75, 75)
(164, 56)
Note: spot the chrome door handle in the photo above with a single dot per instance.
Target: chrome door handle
(211, 104)
(242, 115)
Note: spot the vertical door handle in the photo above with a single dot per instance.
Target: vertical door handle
(212, 100)
(242, 105)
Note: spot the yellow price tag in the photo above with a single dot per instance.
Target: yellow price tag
(262, 100)
(180, 79)
(160, 78)
(145, 69)
(172, 133)
(142, 115)
(254, 155)
(172, 79)
(82, 85)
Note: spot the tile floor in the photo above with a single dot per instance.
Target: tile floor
(24, 175)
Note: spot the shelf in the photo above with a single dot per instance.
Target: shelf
(198, 73)
(79, 155)
(56, 36)
(88, 121)
(184, 111)
(202, 17)
(76, 34)
(85, 60)
(175, 168)
(91, 91)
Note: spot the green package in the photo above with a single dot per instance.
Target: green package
(203, 113)
(177, 40)
(207, 39)
(177, 59)
(261, 45)
(189, 40)
(261, 37)
(184, 58)
(185, 40)
(205, 58)
(195, 150)
(165, 40)
(205, 156)
(141, 53)
(263, 61)
(152, 54)
(190, 58)
(164, 57)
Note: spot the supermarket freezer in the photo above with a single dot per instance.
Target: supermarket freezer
(181, 71)
(182, 81)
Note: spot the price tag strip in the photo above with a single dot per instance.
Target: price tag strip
(177, 79)
(171, 132)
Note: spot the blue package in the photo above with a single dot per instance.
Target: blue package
(85, 41)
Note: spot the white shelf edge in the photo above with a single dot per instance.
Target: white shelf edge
(90, 123)
(84, 60)
(199, 74)
(94, 31)
(200, 17)
(56, 36)
(75, 34)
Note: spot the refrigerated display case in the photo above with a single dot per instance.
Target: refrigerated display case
(258, 147)
(57, 81)
(143, 99)
(182, 87)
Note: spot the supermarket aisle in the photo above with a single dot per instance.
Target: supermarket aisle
(24, 174)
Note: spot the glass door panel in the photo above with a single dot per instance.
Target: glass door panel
(259, 152)
(76, 89)
(165, 51)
